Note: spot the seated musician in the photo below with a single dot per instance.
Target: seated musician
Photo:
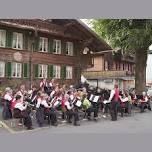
(106, 103)
(44, 109)
(7, 114)
(70, 111)
(86, 104)
(124, 103)
(21, 111)
(144, 102)
(22, 92)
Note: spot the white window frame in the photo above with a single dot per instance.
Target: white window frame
(69, 72)
(57, 71)
(2, 38)
(69, 48)
(56, 46)
(2, 69)
(44, 42)
(44, 67)
(18, 41)
(16, 66)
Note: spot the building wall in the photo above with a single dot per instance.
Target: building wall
(123, 84)
(29, 52)
(98, 64)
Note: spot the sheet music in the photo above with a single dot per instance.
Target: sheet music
(91, 97)
(78, 103)
(96, 98)
(106, 101)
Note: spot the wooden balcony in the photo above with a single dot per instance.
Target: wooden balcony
(106, 74)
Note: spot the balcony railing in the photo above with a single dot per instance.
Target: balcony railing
(106, 74)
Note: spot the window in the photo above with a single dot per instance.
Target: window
(57, 46)
(43, 44)
(16, 70)
(69, 48)
(2, 38)
(68, 72)
(2, 69)
(42, 71)
(17, 40)
(56, 71)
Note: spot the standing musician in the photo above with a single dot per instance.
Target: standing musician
(114, 99)
(43, 85)
(21, 111)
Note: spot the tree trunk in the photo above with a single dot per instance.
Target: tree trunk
(140, 71)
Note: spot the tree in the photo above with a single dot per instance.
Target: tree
(130, 35)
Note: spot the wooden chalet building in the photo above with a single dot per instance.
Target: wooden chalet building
(32, 49)
(110, 67)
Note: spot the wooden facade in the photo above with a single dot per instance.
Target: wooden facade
(40, 38)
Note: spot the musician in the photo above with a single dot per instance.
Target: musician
(70, 111)
(144, 102)
(33, 95)
(87, 106)
(7, 114)
(95, 103)
(22, 92)
(44, 109)
(124, 104)
(43, 85)
(114, 99)
(22, 111)
(106, 95)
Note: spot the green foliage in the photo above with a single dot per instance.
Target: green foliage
(126, 34)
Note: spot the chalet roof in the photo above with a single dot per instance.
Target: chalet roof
(61, 27)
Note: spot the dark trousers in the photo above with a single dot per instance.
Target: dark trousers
(113, 110)
(26, 118)
(52, 116)
(95, 109)
(71, 114)
(106, 108)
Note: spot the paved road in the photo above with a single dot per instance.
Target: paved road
(138, 123)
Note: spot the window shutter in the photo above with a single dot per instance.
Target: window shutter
(63, 47)
(50, 45)
(25, 70)
(9, 39)
(8, 69)
(75, 49)
(50, 71)
(77, 72)
(63, 72)
(36, 48)
(36, 70)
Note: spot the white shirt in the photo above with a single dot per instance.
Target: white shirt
(20, 106)
(111, 95)
(7, 97)
(67, 104)
(123, 99)
(146, 99)
(41, 102)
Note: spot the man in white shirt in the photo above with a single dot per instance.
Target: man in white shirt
(22, 107)
(114, 99)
